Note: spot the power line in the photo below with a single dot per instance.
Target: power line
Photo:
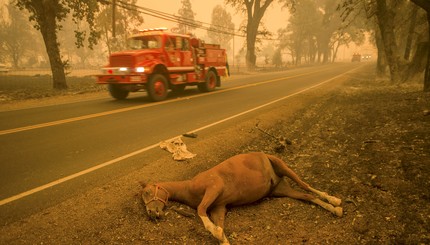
(181, 20)
(174, 18)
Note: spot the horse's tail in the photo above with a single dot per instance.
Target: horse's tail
(282, 169)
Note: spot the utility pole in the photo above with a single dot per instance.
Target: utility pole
(233, 49)
(113, 17)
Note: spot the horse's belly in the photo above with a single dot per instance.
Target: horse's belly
(250, 193)
(246, 178)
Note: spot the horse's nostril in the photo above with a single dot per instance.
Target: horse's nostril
(151, 212)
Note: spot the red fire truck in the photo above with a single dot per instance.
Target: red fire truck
(158, 61)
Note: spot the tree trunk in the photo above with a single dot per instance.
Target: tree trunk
(325, 49)
(326, 55)
(381, 63)
(313, 50)
(418, 63)
(411, 32)
(427, 72)
(251, 37)
(298, 56)
(425, 4)
(335, 50)
(386, 22)
(255, 13)
(48, 28)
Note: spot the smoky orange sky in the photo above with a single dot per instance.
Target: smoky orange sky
(274, 19)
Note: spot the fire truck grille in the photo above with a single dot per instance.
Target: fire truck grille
(121, 61)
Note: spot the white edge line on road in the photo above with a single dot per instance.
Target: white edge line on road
(105, 164)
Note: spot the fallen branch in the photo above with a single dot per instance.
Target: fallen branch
(280, 140)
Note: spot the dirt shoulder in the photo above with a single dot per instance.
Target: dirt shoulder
(364, 141)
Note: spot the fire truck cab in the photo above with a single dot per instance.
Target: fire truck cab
(158, 61)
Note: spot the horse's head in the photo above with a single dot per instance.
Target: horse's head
(155, 199)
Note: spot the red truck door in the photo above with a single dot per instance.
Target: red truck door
(173, 52)
(186, 55)
(180, 54)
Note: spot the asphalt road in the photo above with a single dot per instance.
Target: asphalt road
(50, 153)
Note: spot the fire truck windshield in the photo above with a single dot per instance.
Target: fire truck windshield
(144, 42)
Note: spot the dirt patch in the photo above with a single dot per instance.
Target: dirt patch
(364, 141)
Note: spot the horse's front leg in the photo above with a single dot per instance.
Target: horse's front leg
(217, 214)
(216, 231)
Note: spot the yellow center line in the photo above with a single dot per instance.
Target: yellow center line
(101, 114)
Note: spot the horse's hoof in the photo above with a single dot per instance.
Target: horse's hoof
(334, 201)
(338, 211)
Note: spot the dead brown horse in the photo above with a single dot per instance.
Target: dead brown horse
(239, 180)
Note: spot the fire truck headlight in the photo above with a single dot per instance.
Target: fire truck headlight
(123, 69)
(140, 69)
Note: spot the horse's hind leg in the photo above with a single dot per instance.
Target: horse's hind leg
(331, 199)
(283, 189)
(281, 169)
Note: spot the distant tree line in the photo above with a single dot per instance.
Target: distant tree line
(401, 30)
(317, 28)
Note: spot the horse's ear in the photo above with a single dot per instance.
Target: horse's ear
(142, 183)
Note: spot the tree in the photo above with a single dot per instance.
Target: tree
(221, 29)
(329, 24)
(254, 10)
(47, 16)
(286, 43)
(186, 18)
(277, 58)
(315, 32)
(301, 35)
(15, 39)
(395, 20)
(332, 32)
(424, 4)
(127, 20)
(344, 35)
(267, 52)
(385, 16)
(69, 49)
(349, 12)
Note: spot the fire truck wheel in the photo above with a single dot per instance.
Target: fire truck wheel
(157, 87)
(210, 82)
(117, 92)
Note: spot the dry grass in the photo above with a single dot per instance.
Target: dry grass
(19, 87)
